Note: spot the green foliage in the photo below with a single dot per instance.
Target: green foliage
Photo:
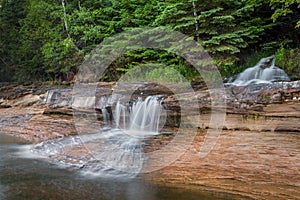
(44, 40)
(289, 60)
(10, 13)
(153, 73)
(164, 75)
(149, 57)
(224, 27)
(285, 8)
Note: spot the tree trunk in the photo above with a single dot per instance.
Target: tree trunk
(196, 36)
(63, 3)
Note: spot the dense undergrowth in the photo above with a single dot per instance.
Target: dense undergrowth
(48, 40)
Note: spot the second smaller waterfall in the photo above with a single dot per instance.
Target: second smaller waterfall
(264, 71)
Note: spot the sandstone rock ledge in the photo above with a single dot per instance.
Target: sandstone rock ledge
(258, 165)
(257, 154)
(23, 113)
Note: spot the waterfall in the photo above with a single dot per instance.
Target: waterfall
(121, 152)
(142, 115)
(118, 151)
(105, 115)
(120, 115)
(145, 115)
(264, 71)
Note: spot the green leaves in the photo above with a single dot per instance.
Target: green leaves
(284, 8)
(35, 42)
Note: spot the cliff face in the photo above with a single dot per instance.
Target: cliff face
(257, 154)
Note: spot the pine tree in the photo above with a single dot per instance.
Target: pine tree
(10, 13)
(222, 27)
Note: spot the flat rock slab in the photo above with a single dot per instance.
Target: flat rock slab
(261, 165)
(257, 154)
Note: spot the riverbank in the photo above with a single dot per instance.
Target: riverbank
(260, 165)
(257, 154)
(23, 178)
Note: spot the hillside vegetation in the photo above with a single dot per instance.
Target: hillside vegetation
(46, 40)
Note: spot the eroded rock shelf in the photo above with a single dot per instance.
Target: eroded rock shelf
(257, 154)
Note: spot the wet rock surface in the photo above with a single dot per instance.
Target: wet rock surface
(34, 126)
(260, 165)
(23, 113)
(256, 155)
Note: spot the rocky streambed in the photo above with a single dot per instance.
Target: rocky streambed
(256, 155)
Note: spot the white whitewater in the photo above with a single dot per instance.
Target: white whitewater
(142, 116)
(145, 115)
(264, 71)
(117, 152)
(121, 152)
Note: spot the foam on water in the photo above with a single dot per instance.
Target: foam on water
(117, 152)
(3, 191)
(264, 71)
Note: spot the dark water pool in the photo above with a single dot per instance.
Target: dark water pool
(24, 178)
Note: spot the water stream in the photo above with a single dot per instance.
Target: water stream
(264, 71)
(26, 178)
(114, 152)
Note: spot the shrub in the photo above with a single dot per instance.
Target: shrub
(289, 60)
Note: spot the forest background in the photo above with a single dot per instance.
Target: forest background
(47, 40)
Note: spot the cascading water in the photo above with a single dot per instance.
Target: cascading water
(121, 149)
(142, 116)
(264, 71)
(117, 151)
